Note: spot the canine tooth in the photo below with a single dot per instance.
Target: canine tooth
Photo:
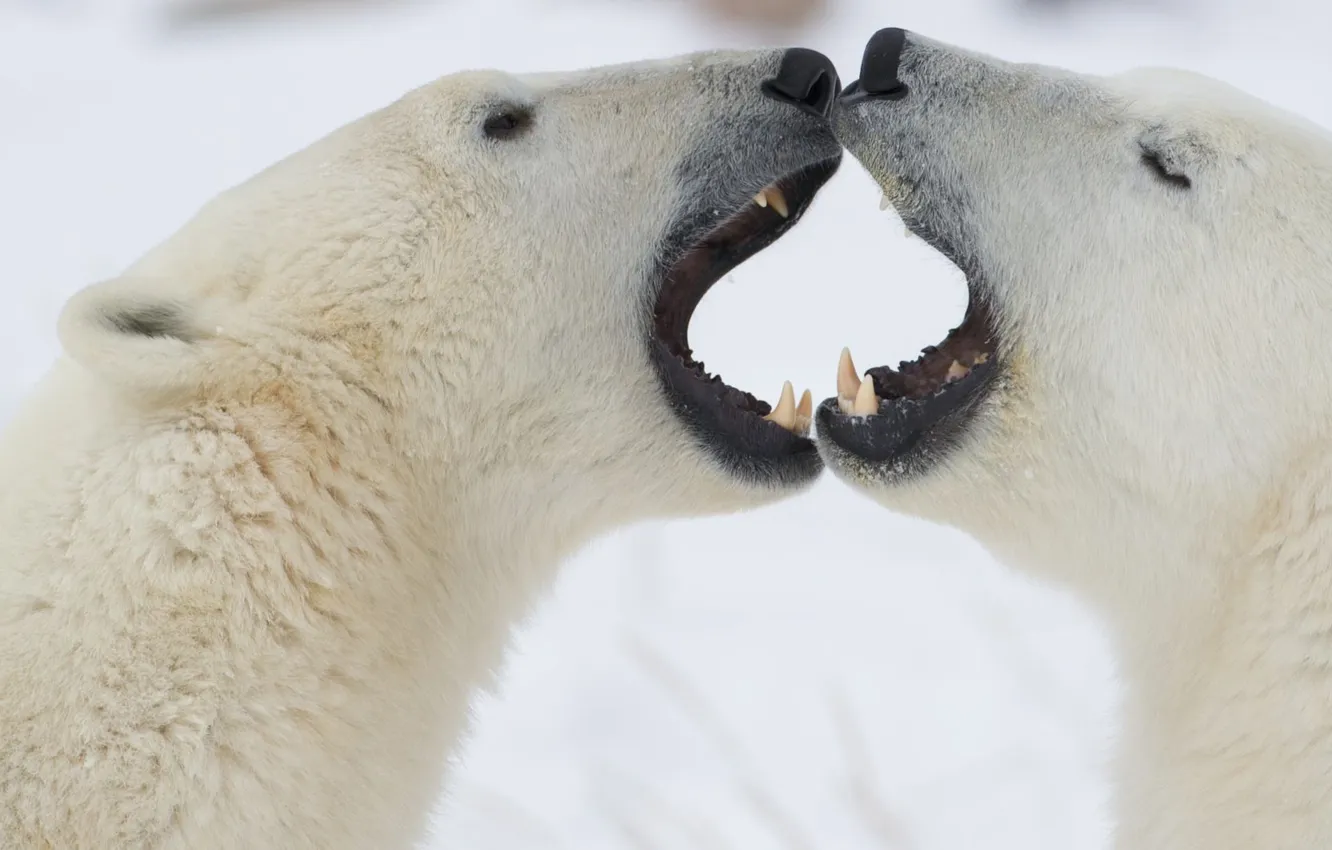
(804, 414)
(778, 201)
(848, 380)
(867, 403)
(956, 371)
(784, 414)
(884, 203)
(847, 406)
(981, 358)
(762, 198)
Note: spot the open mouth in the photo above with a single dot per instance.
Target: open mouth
(906, 419)
(923, 406)
(747, 434)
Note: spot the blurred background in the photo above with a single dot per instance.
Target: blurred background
(820, 674)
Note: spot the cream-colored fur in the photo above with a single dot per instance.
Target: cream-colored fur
(266, 527)
(1160, 438)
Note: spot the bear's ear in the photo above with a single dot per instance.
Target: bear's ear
(138, 335)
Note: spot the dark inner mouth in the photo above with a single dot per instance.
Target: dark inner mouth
(967, 348)
(704, 249)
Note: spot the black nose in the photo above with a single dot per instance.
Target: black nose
(878, 70)
(807, 79)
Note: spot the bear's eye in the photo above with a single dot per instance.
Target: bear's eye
(1154, 161)
(508, 122)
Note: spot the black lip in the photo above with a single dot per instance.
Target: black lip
(696, 254)
(908, 432)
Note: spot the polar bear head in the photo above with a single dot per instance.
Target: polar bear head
(490, 281)
(1149, 262)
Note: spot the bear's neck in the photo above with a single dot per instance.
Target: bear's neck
(1227, 736)
(374, 601)
(449, 572)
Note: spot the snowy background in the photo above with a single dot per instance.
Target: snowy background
(817, 675)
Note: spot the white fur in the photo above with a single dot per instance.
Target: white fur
(1162, 438)
(253, 567)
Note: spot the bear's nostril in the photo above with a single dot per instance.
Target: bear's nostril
(821, 94)
(807, 79)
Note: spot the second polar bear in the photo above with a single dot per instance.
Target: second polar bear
(1134, 405)
(265, 527)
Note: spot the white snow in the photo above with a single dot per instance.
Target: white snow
(821, 674)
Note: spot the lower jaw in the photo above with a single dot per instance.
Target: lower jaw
(905, 437)
(746, 448)
(787, 471)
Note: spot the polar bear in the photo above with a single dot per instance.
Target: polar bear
(1133, 404)
(266, 525)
